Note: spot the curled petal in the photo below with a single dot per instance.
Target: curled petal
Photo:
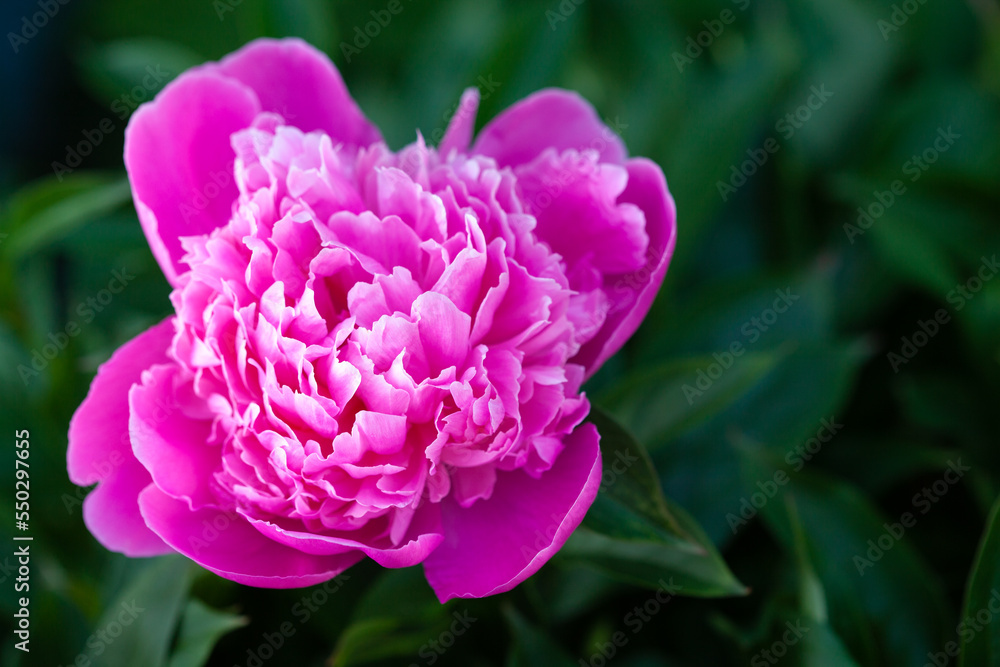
(550, 118)
(497, 543)
(424, 536)
(298, 82)
(228, 545)
(460, 127)
(175, 448)
(100, 451)
(180, 161)
(632, 294)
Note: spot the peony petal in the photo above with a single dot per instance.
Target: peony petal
(99, 448)
(460, 127)
(297, 81)
(444, 331)
(575, 200)
(342, 326)
(111, 513)
(550, 118)
(422, 538)
(172, 446)
(229, 546)
(180, 161)
(632, 294)
(496, 544)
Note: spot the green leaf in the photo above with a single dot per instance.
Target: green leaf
(396, 617)
(983, 648)
(909, 251)
(722, 121)
(201, 628)
(212, 29)
(634, 534)
(854, 71)
(572, 590)
(12, 354)
(820, 646)
(783, 382)
(49, 210)
(739, 309)
(311, 20)
(532, 647)
(132, 71)
(782, 408)
(945, 403)
(403, 594)
(888, 598)
(887, 462)
(375, 639)
(630, 492)
(658, 404)
(153, 603)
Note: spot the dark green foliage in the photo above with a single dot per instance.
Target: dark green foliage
(812, 403)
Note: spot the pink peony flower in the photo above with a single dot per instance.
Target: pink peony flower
(373, 353)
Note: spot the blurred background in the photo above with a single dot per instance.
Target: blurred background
(817, 384)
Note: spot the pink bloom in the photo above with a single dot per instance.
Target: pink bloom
(373, 353)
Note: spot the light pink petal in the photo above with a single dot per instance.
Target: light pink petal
(172, 446)
(497, 543)
(381, 433)
(444, 331)
(423, 536)
(460, 127)
(575, 200)
(550, 118)
(99, 448)
(631, 295)
(462, 280)
(469, 485)
(228, 545)
(295, 80)
(111, 513)
(180, 161)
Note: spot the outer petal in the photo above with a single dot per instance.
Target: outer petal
(460, 127)
(496, 544)
(293, 79)
(99, 449)
(171, 445)
(631, 295)
(576, 203)
(180, 161)
(422, 538)
(229, 546)
(550, 118)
